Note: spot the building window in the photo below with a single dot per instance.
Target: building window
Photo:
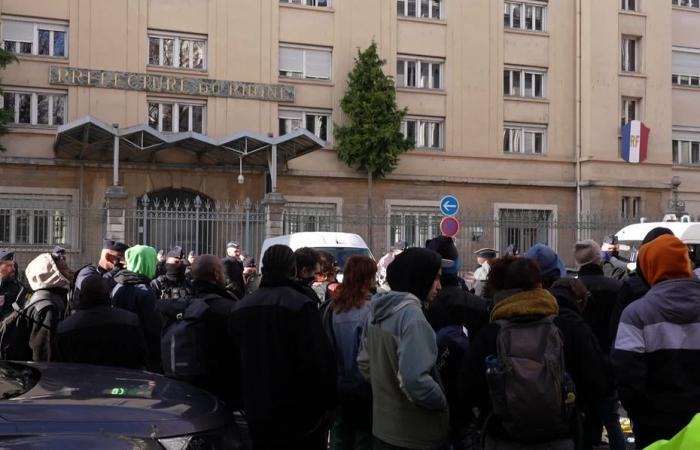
(32, 220)
(317, 123)
(524, 15)
(414, 224)
(524, 227)
(35, 108)
(30, 38)
(317, 3)
(630, 207)
(426, 133)
(524, 139)
(687, 3)
(426, 9)
(685, 80)
(302, 216)
(305, 63)
(629, 110)
(629, 53)
(176, 117)
(685, 67)
(419, 73)
(628, 5)
(177, 51)
(686, 152)
(523, 83)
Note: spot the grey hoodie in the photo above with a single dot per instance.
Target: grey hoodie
(397, 357)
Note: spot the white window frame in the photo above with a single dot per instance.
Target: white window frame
(516, 135)
(627, 63)
(303, 75)
(629, 5)
(51, 26)
(624, 110)
(510, 6)
(509, 90)
(552, 234)
(683, 150)
(404, 61)
(686, 3)
(176, 114)
(313, 3)
(13, 194)
(419, 9)
(417, 208)
(685, 80)
(421, 123)
(292, 114)
(34, 107)
(177, 43)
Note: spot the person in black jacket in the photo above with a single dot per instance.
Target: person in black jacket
(518, 295)
(11, 289)
(233, 269)
(109, 264)
(288, 367)
(97, 333)
(308, 265)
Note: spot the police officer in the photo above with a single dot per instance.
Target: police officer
(478, 278)
(233, 270)
(10, 288)
(111, 261)
(172, 284)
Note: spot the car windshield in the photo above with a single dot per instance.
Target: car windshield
(16, 379)
(341, 254)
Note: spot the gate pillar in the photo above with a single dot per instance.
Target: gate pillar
(115, 205)
(274, 210)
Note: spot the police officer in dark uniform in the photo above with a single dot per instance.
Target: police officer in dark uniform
(173, 284)
(111, 261)
(233, 270)
(10, 287)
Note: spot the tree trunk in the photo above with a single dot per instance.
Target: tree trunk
(369, 209)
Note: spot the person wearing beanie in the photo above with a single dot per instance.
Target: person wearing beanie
(634, 286)
(597, 313)
(551, 266)
(288, 376)
(656, 357)
(398, 357)
(455, 315)
(134, 293)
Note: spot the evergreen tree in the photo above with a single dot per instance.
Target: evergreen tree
(6, 58)
(371, 140)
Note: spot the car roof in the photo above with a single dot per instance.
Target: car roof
(317, 239)
(688, 232)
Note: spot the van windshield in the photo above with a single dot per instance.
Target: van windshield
(341, 254)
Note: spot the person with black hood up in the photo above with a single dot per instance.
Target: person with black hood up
(172, 284)
(398, 357)
(657, 348)
(453, 311)
(288, 369)
(97, 333)
(634, 287)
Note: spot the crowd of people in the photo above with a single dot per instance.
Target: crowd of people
(400, 354)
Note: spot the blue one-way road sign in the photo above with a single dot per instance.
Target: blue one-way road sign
(449, 205)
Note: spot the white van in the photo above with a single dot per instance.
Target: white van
(341, 245)
(630, 238)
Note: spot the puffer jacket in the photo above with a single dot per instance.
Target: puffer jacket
(48, 283)
(398, 357)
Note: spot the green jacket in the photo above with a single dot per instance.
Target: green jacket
(397, 357)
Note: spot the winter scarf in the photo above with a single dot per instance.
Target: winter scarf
(536, 302)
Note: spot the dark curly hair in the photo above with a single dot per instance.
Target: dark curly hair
(510, 272)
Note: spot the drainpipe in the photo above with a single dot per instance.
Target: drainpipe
(579, 122)
(115, 163)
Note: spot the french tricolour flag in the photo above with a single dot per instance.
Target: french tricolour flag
(635, 137)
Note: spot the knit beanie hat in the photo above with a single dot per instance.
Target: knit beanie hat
(587, 252)
(550, 264)
(278, 260)
(665, 258)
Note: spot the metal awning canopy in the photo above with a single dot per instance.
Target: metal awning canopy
(90, 139)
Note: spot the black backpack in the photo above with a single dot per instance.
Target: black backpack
(530, 389)
(16, 327)
(183, 339)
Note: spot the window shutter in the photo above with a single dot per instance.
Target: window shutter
(318, 64)
(291, 59)
(686, 63)
(17, 31)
